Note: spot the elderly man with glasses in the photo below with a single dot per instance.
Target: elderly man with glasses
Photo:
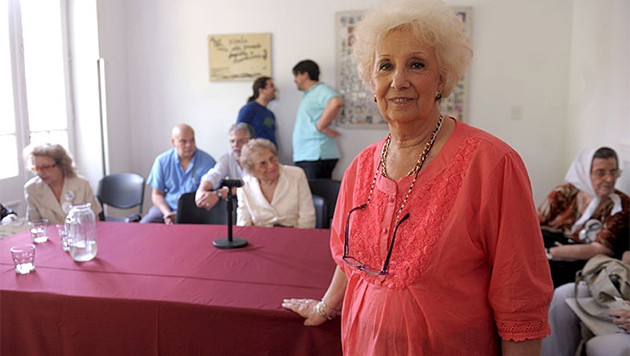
(228, 166)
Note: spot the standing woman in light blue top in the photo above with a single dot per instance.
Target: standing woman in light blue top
(176, 172)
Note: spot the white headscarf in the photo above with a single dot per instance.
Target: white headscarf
(579, 175)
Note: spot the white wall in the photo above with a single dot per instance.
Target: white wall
(84, 52)
(112, 42)
(599, 95)
(521, 61)
(157, 67)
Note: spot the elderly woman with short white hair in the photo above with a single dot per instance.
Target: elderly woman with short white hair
(435, 235)
(273, 194)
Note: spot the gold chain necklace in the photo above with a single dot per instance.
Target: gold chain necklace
(415, 170)
(420, 162)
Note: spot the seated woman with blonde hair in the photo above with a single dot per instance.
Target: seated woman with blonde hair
(273, 194)
(56, 187)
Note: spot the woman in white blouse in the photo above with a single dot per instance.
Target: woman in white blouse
(56, 187)
(273, 194)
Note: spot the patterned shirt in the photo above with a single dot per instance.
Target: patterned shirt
(559, 212)
(262, 120)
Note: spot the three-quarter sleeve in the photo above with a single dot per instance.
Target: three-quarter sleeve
(520, 285)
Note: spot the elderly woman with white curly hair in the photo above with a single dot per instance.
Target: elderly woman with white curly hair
(273, 194)
(435, 234)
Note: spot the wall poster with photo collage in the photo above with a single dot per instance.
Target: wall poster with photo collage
(359, 110)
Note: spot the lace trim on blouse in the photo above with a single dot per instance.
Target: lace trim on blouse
(429, 204)
(520, 331)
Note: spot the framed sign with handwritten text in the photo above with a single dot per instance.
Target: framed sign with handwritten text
(239, 57)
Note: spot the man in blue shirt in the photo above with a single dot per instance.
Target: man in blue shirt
(314, 146)
(175, 172)
(255, 112)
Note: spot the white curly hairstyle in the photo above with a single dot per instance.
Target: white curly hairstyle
(431, 21)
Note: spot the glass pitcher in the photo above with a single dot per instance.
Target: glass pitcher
(81, 230)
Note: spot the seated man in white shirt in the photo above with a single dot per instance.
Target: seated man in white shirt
(228, 166)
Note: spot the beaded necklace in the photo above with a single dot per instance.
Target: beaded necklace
(415, 170)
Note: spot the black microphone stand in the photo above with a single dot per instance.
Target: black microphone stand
(229, 242)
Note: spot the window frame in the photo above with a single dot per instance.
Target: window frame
(11, 187)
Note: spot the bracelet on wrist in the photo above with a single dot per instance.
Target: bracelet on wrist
(324, 310)
(335, 311)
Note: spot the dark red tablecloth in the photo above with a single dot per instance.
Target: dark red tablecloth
(165, 290)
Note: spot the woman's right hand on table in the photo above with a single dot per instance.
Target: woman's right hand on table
(307, 308)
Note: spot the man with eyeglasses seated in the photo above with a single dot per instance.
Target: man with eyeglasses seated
(228, 166)
(57, 187)
(586, 216)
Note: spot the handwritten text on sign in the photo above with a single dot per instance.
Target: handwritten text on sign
(241, 57)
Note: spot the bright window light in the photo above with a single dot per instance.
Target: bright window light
(8, 142)
(44, 69)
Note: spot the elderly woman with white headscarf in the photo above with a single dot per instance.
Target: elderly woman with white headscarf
(586, 216)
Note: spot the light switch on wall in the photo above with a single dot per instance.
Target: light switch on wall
(516, 112)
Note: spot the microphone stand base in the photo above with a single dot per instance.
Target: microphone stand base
(226, 244)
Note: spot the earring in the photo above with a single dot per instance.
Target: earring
(438, 95)
(374, 98)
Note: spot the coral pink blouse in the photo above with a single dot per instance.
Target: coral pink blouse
(468, 266)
